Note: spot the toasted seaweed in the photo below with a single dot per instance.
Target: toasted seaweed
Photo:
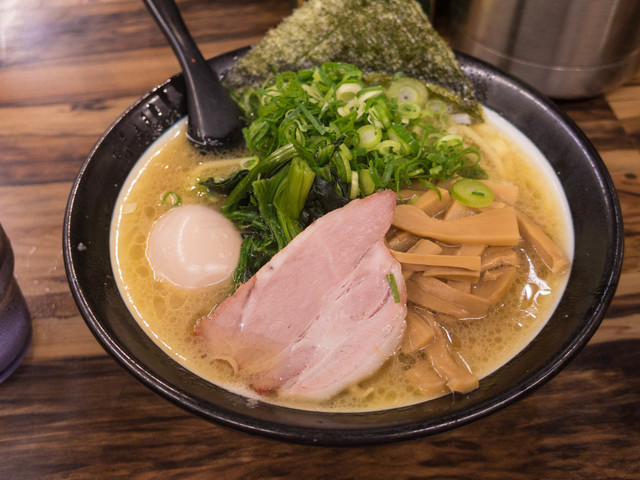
(387, 36)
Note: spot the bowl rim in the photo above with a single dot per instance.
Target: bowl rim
(479, 72)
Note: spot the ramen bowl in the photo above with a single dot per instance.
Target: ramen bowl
(593, 206)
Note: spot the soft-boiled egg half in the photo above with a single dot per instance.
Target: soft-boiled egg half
(193, 246)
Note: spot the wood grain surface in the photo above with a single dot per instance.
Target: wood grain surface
(67, 69)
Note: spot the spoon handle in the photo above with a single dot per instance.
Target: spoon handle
(213, 115)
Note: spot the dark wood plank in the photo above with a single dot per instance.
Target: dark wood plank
(70, 31)
(588, 409)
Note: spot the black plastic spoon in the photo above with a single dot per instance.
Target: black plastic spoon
(214, 118)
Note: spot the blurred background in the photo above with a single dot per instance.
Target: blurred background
(564, 48)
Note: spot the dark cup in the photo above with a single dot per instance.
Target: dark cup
(15, 321)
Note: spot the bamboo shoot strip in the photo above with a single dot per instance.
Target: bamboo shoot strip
(447, 363)
(432, 202)
(459, 261)
(437, 296)
(449, 273)
(550, 253)
(426, 379)
(418, 334)
(491, 227)
(426, 247)
(504, 192)
(495, 257)
(494, 290)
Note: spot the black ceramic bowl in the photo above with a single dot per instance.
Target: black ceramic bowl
(595, 272)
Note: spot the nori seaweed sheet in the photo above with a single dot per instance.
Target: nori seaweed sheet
(387, 36)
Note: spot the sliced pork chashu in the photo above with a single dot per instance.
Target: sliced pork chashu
(321, 314)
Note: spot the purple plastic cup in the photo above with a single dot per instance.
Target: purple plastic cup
(15, 321)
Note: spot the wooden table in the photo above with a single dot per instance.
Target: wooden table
(67, 69)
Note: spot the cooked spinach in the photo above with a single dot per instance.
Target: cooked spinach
(226, 185)
(322, 198)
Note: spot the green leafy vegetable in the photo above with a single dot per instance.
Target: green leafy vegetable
(266, 166)
(326, 135)
(322, 198)
(291, 195)
(226, 185)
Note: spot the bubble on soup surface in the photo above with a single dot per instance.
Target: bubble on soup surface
(142, 272)
(176, 301)
(159, 306)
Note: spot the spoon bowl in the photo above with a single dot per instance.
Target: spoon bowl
(214, 117)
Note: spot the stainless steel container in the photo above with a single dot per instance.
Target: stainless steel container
(564, 48)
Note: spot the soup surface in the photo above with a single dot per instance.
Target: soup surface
(168, 313)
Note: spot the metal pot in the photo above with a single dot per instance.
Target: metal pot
(564, 48)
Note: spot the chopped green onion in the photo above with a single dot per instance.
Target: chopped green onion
(379, 115)
(370, 92)
(344, 150)
(173, 197)
(409, 110)
(347, 91)
(342, 166)
(472, 193)
(370, 136)
(354, 105)
(367, 187)
(394, 287)
(408, 90)
(448, 140)
(314, 121)
(435, 107)
(354, 191)
(387, 146)
(402, 135)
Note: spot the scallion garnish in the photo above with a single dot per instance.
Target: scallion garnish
(171, 199)
(472, 193)
(394, 287)
(357, 137)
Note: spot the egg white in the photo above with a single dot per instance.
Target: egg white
(193, 246)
